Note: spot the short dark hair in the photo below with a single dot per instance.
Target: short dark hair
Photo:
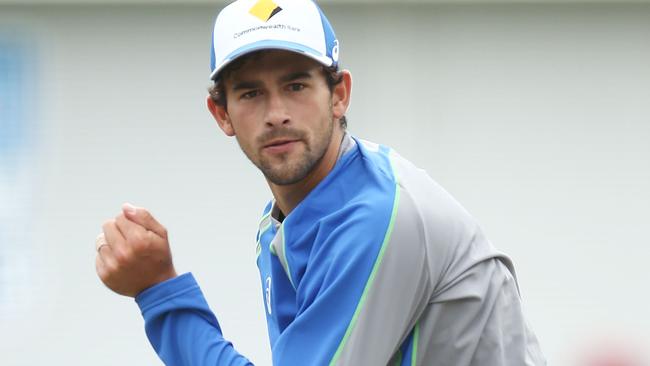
(217, 91)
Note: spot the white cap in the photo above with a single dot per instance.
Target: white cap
(294, 25)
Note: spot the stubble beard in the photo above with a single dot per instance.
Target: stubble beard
(286, 171)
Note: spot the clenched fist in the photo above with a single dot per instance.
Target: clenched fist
(133, 253)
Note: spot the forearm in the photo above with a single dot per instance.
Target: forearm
(182, 328)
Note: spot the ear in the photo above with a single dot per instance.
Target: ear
(220, 114)
(341, 95)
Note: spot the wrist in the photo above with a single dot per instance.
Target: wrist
(163, 277)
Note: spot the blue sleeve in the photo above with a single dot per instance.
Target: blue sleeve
(182, 328)
(330, 290)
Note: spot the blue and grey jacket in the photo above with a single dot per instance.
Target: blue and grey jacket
(378, 265)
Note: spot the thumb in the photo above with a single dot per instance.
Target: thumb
(143, 218)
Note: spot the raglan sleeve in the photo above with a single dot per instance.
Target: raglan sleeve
(181, 327)
(359, 296)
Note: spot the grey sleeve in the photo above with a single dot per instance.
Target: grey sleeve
(474, 313)
(399, 294)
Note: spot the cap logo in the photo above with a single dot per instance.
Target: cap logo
(265, 10)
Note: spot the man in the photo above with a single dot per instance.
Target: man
(363, 259)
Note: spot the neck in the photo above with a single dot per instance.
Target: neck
(287, 197)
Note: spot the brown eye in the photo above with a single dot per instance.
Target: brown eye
(251, 94)
(296, 87)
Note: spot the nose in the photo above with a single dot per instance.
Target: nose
(276, 111)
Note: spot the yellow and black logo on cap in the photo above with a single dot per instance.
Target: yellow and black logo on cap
(265, 9)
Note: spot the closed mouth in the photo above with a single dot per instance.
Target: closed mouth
(279, 142)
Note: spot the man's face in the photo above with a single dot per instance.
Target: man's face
(280, 110)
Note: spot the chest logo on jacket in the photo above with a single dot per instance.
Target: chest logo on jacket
(267, 294)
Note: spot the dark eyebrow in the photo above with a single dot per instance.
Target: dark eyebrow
(257, 84)
(295, 76)
(246, 85)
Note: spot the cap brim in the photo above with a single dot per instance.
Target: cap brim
(271, 45)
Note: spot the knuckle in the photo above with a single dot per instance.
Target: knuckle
(145, 247)
(122, 257)
(138, 242)
(146, 214)
(107, 224)
(104, 275)
(151, 236)
(139, 238)
(108, 269)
